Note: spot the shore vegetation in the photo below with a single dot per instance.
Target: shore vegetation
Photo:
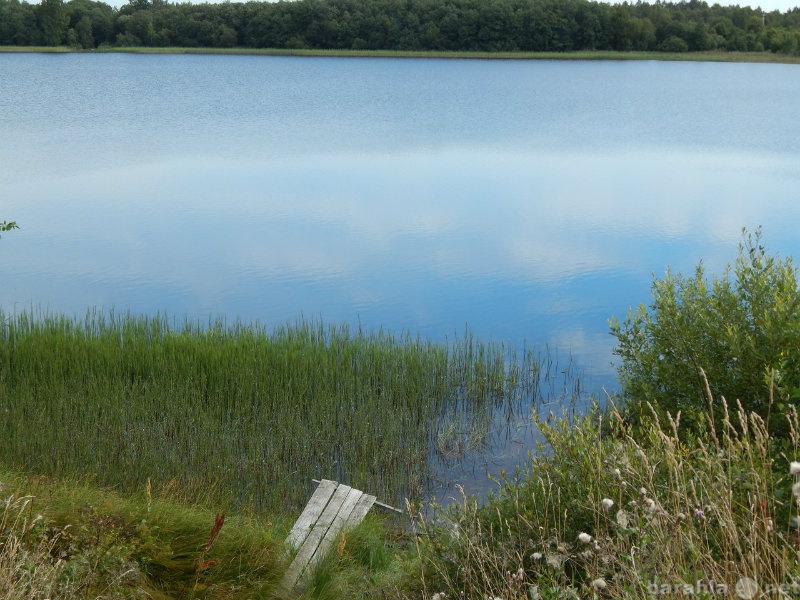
(134, 449)
(489, 26)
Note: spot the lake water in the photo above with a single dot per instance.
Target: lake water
(527, 201)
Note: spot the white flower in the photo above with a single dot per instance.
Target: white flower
(584, 537)
(622, 518)
(794, 468)
(599, 584)
(796, 489)
(438, 596)
(607, 503)
(536, 556)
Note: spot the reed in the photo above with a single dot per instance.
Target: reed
(237, 415)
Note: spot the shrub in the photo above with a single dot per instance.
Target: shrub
(742, 329)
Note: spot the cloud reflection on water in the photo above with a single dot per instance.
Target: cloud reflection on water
(520, 245)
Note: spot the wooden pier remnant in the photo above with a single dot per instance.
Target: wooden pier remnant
(332, 509)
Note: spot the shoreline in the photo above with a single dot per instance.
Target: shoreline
(712, 56)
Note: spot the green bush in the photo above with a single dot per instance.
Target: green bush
(742, 330)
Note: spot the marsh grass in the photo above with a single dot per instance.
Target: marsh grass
(599, 513)
(238, 417)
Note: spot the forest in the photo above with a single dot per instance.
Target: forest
(403, 25)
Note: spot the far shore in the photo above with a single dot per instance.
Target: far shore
(713, 56)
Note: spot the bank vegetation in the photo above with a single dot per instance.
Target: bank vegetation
(492, 26)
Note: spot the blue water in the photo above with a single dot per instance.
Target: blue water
(526, 201)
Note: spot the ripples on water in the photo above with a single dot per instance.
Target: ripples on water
(529, 201)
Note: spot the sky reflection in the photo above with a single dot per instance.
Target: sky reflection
(529, 201)
(542, 247)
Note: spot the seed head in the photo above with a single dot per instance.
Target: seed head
(599, 584)
(584, 537)
(794, 467)
(607, 503)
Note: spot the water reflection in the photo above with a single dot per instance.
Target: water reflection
(542, 246)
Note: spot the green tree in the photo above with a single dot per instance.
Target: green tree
(53, 20)
(741, 329)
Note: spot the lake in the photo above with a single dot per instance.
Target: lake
(523, 201)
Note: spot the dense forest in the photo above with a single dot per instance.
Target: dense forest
(403, 25)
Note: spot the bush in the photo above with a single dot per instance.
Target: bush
(742, 330)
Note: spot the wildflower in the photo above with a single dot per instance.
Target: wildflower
(607, 503)
(698, 512)
(680, 517)
(618, 473)
(537, 556)
(622, 518)
(650, 504)
(643, 492)
(439, 596)
(796, 490)
(794, 467)
(599, 584)
(584, 537)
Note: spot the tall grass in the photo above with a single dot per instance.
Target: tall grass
(599, 513)
(238, 415)
(64, 539)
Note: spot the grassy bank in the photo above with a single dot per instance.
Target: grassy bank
(710, 56)
(599, 513)
(242, 417)
(596, 513)
(66, 539)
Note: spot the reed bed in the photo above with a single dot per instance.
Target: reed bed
(238, 415)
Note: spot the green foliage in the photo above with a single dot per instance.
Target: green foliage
(741, 329)
(8, 225)
(404, 25)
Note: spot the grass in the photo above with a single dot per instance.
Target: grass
(599, 510)
(706, 56)
(173, 416)
(68, 539)
(601, 513)
(240, 417)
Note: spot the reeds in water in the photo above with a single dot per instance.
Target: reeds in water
(235, 414)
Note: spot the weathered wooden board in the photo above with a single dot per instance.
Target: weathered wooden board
(332, 509)
(317, 503)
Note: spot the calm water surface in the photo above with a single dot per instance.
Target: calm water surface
(526, 201)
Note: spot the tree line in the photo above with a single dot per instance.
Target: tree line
(404, 25)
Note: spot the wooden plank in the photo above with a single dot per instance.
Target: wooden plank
(332, 509)
(360, 511)
(311, 512)
(376, 503)
(318, 530)
(337, 526)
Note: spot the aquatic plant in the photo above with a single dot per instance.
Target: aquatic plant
(237, 414)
